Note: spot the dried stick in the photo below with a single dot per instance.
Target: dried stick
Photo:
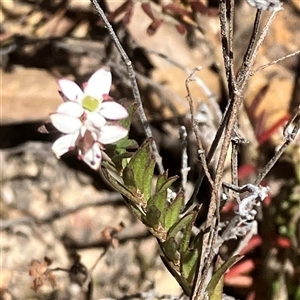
(135, 89)
(194, 127)
(209, 239)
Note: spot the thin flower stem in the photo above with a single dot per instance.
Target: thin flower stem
(210, 154)
(194, 127)
(135, 89)
(184, 159)
(224, 37)
(249, 64)
(247, 56)
(230, 33)
(275, 62)
(234, 167)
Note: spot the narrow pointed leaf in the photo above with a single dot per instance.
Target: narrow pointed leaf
(188, 218)
(159, 200)
(152, 216)
(174, 209)
(128, 177)
(220, 272)
(170, 250)
(165, 185)
(118, 186)
(161, 179)
(187, 231)
(142, 164)
(189, 263)
(218, 291)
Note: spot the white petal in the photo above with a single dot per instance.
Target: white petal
(98, 84)
(111, 133)
(71, 109)
(63, 144)
(64, 123)
(71, 90)
(93, 157)
(94, 121)
(113, 110)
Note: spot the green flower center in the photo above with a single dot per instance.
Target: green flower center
(90, 103)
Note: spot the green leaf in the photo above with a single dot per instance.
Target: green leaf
(126, 143)
(128, 177)
(118, 186)
(152, 216)
(142, 165)
(159, 200)
(174, 209)
(182, 223)
(110, 166)
(187, 231)
(220, 273)
(189, 264)
(161, 179)
(218, 291)
(163, 186)
(170, 250)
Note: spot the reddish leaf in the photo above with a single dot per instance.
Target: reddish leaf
(148, 11)
(245, 171)
(283, 243)
(243, 281)
(199, 7)
(228, 207)
(257, 100)
(181, 28)
(266, 135)
(260, 124)
(243, 267)
(251, 296)
(253, 243)
(121, 9)
(129, 13)
(154, 26)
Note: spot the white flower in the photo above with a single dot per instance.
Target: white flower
(270, 5)
(88, 118)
